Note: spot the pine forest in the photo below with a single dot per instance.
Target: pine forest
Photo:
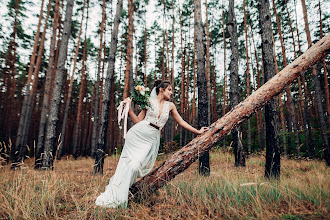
(255, 72)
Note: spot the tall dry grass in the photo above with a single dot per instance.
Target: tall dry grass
(69, 192)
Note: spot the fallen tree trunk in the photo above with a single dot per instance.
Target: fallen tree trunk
(182, 159)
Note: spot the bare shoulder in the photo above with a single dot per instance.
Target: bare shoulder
(172, 106)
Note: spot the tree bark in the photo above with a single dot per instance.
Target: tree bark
(325, 75)
(259, 113)
(207, 63)
(49, 74)
(224, 71)
(271, 113)
(47, 161)
(26, 112)
(182, 159)
(203, 102)
(67, 104)
(247, 75)
(290, 105)
(104, 120)
(301, 101)
(129, 54)
(97, 86)
(234, 94)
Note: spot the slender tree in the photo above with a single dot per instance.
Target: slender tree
(49, 74)
(317, 92)
(271, 114)
(325, 73)
(234, 96)
(129, 54)
(290, 105)
(247, 74)
(97, 84)
(204, 164)
(207, 61)
(47, 161)
(100, 152)
(26, 112)
(68, 100)
(259, 113)
(224, 70)
(77, 131)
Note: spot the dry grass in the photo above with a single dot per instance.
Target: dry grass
(70, 190)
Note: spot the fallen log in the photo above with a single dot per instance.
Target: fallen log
(182, 159)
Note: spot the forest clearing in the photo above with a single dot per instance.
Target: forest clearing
(69, 192)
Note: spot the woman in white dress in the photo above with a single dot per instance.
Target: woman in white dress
(141, 145)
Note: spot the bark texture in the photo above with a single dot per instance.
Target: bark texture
(47, 161)
(234, 95)
(271, 113)
(203, 102)
(104, 119)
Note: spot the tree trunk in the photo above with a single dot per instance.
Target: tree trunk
(207, 63)
(234, 94)
(194, 112)
(26, 113)
(301, 101)
(271, 113)
(97, 86)
(203, 102)
(259, 113)
(47, 161)
(77, 131)
(104, 120)
(224, 71)
(247, 76)
(290, 105)
(326, 82)
(67, 104)
(49, 74)
(182, 159)
(129, 54)
(317, 93)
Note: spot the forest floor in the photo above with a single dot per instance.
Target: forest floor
(69, 191)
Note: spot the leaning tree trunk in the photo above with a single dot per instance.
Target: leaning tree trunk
(47, 161)
(104, 119)
(182, 159)
(204, 164)
(234, 95)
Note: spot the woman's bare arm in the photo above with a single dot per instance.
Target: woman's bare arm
(183, 123)
(135, 118)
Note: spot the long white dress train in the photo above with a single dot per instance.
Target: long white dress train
(137, 158)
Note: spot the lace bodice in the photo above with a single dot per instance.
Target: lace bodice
(153, 116)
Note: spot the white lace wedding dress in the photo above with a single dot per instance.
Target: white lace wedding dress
(138, 156)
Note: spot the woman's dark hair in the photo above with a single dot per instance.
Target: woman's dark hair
(161, 84)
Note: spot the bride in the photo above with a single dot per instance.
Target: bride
(142, 144)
